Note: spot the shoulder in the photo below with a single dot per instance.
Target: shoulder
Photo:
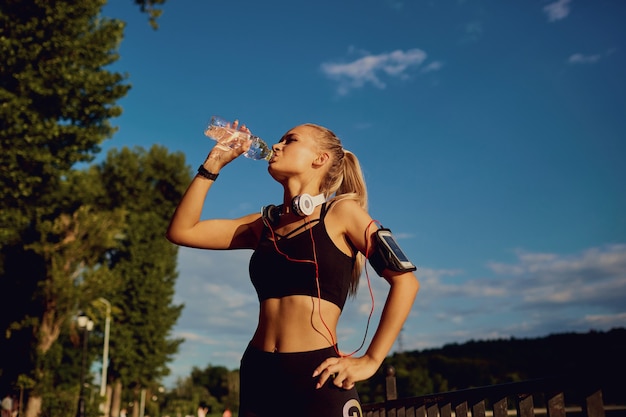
(345, 207)
(248, 231)
(342, 223)
(348, 216)
(346, 212)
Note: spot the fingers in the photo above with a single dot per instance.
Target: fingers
(347, 385)
(242, 127)
(324, 371)
(324, 376)
(324, 366)
(223, 154)
(333, 371)
(338, 379)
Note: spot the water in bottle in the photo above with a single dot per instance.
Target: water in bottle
(221, 131)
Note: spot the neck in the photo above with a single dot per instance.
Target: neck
(296, 186)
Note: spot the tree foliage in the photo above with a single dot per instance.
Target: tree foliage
(69, 237)
(56, 99)
(150, 7)
(117, 231)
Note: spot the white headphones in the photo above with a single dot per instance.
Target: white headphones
(302, 205)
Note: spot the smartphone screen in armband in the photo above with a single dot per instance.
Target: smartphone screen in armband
(388, 254)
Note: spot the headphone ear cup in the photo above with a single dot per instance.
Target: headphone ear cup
(272, 214)
(304, 204)
(295, 205)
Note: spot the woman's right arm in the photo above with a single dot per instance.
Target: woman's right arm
(186, 228)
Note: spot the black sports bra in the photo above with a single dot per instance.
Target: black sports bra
(275, 276)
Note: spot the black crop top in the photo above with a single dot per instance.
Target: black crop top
(275, 276)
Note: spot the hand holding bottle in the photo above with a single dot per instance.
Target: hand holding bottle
(233, 136)
(230, 146)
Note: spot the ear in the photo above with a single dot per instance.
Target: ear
(321, 159)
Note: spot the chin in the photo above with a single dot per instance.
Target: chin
(272, 171)
(277, 175)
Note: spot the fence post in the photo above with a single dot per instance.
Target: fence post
(391, 391)
(556, 404)
(390, 382)
(594, 406)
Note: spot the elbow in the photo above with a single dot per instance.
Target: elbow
(169, 237)
(416, 285)
(409, 284)
(172, 236)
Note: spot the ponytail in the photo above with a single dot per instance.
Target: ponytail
(353, 187)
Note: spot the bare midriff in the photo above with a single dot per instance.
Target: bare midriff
(294, 324)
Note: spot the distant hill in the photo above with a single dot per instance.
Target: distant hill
(594, 355)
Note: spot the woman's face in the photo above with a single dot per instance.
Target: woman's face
(295, 153)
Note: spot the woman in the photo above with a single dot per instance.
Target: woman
(303, 267)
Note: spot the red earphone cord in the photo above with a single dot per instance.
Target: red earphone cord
(317, 282)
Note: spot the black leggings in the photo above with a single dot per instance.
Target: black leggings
(281, 385)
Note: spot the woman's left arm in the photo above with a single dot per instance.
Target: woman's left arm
(402, 292)
(404, 286)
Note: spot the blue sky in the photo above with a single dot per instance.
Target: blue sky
(491, 134)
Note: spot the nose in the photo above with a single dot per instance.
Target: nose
(275, 146)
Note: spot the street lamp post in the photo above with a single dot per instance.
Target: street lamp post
(104, 406)
(86, 325)
(105, 351)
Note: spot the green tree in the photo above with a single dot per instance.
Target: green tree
(147, 185)
(221, 384)
(186, 397)
(56, 100)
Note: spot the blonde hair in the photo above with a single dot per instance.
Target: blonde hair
(343, 180)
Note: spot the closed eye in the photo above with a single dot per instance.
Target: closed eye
(288, 139)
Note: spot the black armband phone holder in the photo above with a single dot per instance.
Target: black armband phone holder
(386, 254)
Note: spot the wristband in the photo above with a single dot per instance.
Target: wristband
(203, 172)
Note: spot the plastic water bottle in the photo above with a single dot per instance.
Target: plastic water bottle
(221, 131)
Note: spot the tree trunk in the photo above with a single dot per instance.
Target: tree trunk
(135, 408)
(107, 401)
(116, 398)
(33, 407)
(48, 333)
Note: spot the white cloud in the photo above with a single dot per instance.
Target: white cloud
(404, 235)
(546, 292)
(604, 320)
(372, 69)
(433, 66)
(583, 59)
(558, 10)
(595, 278)
(215, 289)
(197, 338)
